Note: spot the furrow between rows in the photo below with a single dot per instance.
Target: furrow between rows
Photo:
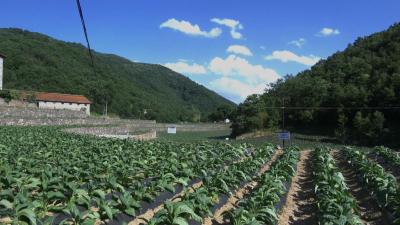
(300, 206)
(240, 193)
(369, 210)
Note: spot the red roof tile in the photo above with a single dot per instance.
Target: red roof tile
(57, 97)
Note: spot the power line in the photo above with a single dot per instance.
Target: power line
(78, 3)
(332, 108)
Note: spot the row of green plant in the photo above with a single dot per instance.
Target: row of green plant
(45, 172)
(389, 155)
(261, 206)
(197, 204)
(334, 201)
(381, 184)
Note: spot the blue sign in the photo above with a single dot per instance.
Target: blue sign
(284, 135)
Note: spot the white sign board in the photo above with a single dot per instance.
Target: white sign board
(284, 135)
(171, 130)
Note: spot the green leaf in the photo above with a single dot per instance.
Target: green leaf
(108, 211)
(29, 214)
(55, 195)
(100, 193)
(130, 211)
(6, 204)
(179, 221)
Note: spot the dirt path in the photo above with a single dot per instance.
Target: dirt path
(239, 194)
(369, 211)
(300, 206)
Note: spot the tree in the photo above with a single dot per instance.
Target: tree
(341, 130)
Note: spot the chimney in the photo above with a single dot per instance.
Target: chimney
(2, 57)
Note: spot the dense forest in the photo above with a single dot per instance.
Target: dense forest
(352, 94)
(37, 62)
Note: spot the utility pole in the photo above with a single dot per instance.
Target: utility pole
(283, 121)
(105, 109)
(283, 114)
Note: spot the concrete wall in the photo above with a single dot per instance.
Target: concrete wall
(63, 105)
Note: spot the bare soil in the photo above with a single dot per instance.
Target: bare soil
(300, 206)
(239, 194)
(368, 208)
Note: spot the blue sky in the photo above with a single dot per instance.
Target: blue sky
(232, 47)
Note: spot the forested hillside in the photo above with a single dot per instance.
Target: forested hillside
(350, 94)
(40, 63)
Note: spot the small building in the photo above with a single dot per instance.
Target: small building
(171, 130)
(2, 57)
(63, 101)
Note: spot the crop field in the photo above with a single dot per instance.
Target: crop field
(49, 177)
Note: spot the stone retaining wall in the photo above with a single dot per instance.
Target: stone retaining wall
(139, 137)
(36, 113)
(132, 128)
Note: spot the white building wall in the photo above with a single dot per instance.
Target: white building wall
(1, 73)
(68, 106)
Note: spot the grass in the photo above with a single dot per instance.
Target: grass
(190, 136)
(305, 141)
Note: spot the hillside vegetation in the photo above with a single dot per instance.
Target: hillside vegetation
(40, 63)
(365, 74)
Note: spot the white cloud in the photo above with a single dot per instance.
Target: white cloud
(299, 43)
(234, 25)
(262, 47)
(236, 87)
(287, 56)
(326, 31)
(185, 68)
(239, 49)
(187, 28)
(235, 65)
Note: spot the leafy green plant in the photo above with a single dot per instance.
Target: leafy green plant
(335, 204)
(218, 182)
(126, 203)
(259, 207)
(389, 155)
(47, 171)
(175, 214)
(381, 184)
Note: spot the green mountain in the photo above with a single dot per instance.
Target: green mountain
(351, 94)
(40, 63)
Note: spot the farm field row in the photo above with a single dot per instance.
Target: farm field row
(51, 177)
(346, 186)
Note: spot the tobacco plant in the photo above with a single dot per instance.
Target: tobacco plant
(334, 202)
(260, 206)
(381, 184)
(45, 172)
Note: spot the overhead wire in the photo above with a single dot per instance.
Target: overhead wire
(78, 3)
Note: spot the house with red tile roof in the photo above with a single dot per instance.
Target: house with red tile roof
(53, 100)
(63, 101)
